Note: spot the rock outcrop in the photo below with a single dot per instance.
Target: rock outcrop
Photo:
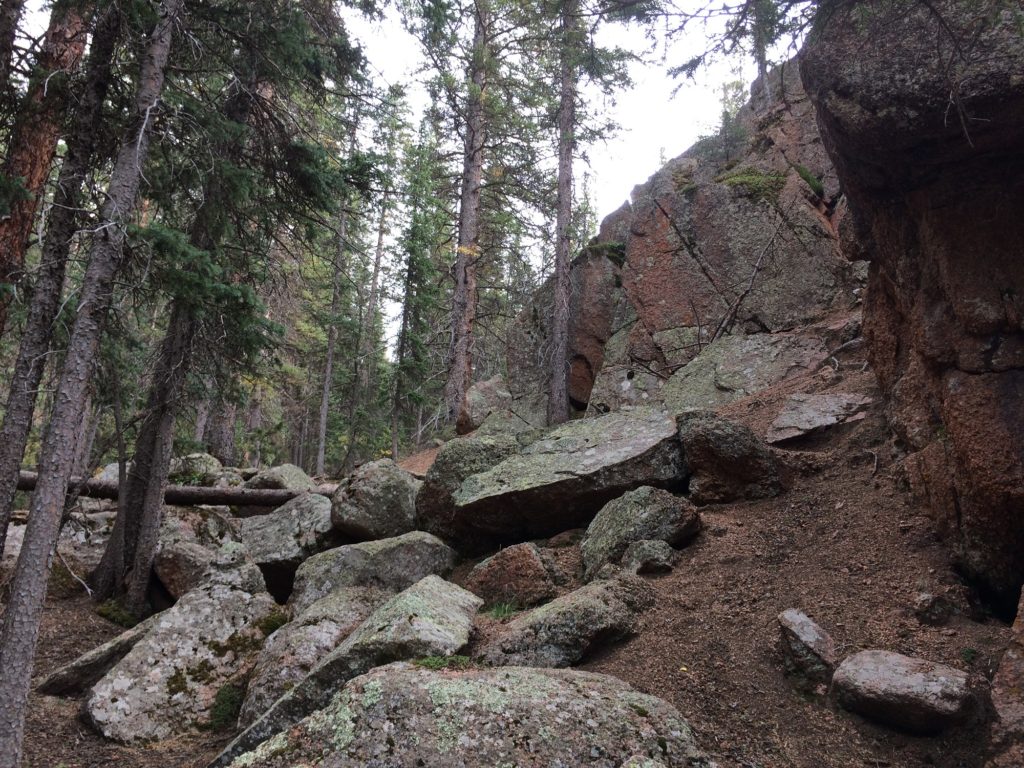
(509, 716)
(190, 540)
(377, 501)
(926, 134)
(289, 534)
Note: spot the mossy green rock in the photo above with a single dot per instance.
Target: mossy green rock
(646, 513)
(389, 564)
(290, 533)
(404, 715)
(284, 477)
(561, 480)
(431, 618)
(568, 628)
(195, 469)
(376, 501)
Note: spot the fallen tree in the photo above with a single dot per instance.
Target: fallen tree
(186, 495)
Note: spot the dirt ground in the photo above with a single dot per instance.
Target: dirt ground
(844, 542)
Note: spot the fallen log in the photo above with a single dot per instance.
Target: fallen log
(187, 495)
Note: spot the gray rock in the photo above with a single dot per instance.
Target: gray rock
(808, 652)
(403, 715)
(906, 693)
(646, 513)
(376, 501)
(563, 479)
(806, 413)
(195, 469)
(483, 399)
(295, 649)
(648, 556)
(390, 564)
(190, 538)
(168, 681)
(736, 366)
(431, 618)
(728, 461)
(87, 669)
(516, 574)
(639, 761)
(934, 610)
(565, 630)
(290, 533)
(285, 477)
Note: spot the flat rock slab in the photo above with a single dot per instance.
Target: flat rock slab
(644, 513)
(565, 630)
(390, 564)
(168, 681)
(402, 715)
(289, 534)
(563, 479)
(806, 413)
(431, 618)
(903, 692)
(808, 652)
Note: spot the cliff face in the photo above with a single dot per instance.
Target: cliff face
(921, 107)
(739, 235)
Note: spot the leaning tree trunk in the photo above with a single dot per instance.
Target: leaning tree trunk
(34, 139)
(60, 230)
(460, 354)
(28, 589)
(558, 391)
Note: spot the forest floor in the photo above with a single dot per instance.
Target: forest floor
(844, 543)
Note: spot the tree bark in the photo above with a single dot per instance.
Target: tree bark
(220, 433)
(340, 266)
(28, 590)
(558, 393)
(464, 299)
(186, 495)
(10, 15)
(60, 230)
(34, 139)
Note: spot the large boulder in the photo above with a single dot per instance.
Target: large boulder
(561, 480)
(296, 648)
(568, 628)
(286, 477)
(517, 575)
(389, 564)
(195, 469)
(190, 540)
(903, 692)
(727, 460)
(483, 717)
(169, 681)
(289, 534)
(646, 513)
(376, 501)
(429, 619)
(926, 137)
(483, 399)
(1008, 698)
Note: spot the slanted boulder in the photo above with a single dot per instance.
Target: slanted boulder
(289, 534)
(168, 682)
(903, 692)
(483, 717)
(376, 501)
(390, 564)
(565, 630)
(431, 618)
(296, 648)
(646, 513)
(561, 480)
(516, 575)
(482, 399)
(808, 652)
(728, 461)
(806, 413)
(190, 539)
(286, 477)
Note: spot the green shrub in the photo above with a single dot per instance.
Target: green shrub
(812, 181)
(226, 706)
(502, 610)
(444, 662)
(112, 610)
(273, 621)
(758, 185)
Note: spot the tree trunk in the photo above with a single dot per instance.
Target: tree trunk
(340, 266)
(460, 354)
(34, 139)
(28, 589)
(10, 15)
(60, 230)
(220, 433)
(558, 393)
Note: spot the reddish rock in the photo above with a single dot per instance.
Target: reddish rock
(939, 199)
(727, 460)
(1008, 697)
(516, 574)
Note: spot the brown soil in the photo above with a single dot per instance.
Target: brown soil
(844, 542)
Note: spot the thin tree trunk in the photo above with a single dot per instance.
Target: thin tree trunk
(460, 355)
(28, 590)
(34, 139)
(202, 417)
(558, 393)
(10, 15)
(340, 266)
(60, 230)
(253, 424)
